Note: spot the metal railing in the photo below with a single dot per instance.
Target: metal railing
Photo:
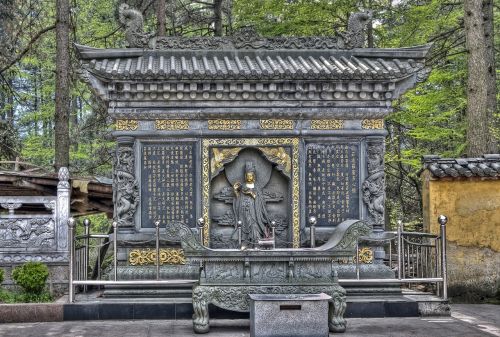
(420, 257)
(414, 257)
(83, 247)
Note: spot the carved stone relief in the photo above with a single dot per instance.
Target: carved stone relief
(255, 203)
(374, 185)
(125, 187)
(236, 298)
(27, 233)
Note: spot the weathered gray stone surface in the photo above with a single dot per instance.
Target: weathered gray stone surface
(289, 315)
(466, 321)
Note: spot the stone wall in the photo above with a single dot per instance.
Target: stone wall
(472, 206)
(57, 283)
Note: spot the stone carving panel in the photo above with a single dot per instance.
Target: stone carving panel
(27, 233)
(332, 182)
(373, 187)
(250, 190)
(168, 183)
(281, 193)
(125, 187)
(224, 272)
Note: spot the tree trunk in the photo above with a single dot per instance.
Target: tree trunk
(160, 17)
(491, 79)
(369, 29)
(218, 17)
(62, 104)
(479, 137)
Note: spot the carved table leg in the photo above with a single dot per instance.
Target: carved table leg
(337, 306)
(201, 323)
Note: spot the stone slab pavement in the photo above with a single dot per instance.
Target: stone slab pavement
(466, 321)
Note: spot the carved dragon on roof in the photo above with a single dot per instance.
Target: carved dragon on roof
(244, 38)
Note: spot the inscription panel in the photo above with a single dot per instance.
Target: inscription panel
(332, 182)
(168, 183)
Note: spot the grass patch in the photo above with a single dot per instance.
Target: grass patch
(7, 296)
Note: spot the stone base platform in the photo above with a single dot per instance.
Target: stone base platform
(95, 307)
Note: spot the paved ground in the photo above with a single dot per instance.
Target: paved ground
(466, 321)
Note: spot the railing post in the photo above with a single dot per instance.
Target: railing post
(273, 232)
(86, 259)
(62, 209)
(312, 231)
(115, 249)
(400, 251)
(442, 219)
(240, 238)
(201, 224)
(357, 259)
(71, 238)
(157, 225)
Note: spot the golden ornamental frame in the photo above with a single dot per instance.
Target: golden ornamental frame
(252, 142)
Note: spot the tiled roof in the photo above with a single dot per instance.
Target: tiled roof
(356, 64)
(487, 166)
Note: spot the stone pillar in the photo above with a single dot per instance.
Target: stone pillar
(62, 210)
(125, 185)
(373, 190)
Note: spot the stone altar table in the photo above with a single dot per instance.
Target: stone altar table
(228, 276)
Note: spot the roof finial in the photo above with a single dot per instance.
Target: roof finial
(354, 37)
(133, 21)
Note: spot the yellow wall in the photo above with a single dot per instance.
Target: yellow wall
(471, 205)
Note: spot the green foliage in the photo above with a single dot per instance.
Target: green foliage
(299, 18)
(1, 276)
(427, 120)
(22, 297)
(31, 276)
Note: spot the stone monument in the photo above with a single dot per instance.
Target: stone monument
(247, 131)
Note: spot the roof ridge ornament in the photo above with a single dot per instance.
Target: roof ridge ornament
(244, 38)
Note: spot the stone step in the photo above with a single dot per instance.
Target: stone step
(161, 292)
(95, 307)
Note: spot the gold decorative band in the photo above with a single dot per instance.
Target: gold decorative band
(224, 124)
(372, 124)
(127, 124)
(140, 257)
(327, 124)
(276, 124)
(171, 124)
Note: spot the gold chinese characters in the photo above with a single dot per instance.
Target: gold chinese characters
(372, 124)
(171, 124)
(327, 124)
(127, 124)
(276, 124)
(224, 124)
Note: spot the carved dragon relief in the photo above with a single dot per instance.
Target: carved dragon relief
(36, 232)
(125, 187)
(245, 38)
(373, 187)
